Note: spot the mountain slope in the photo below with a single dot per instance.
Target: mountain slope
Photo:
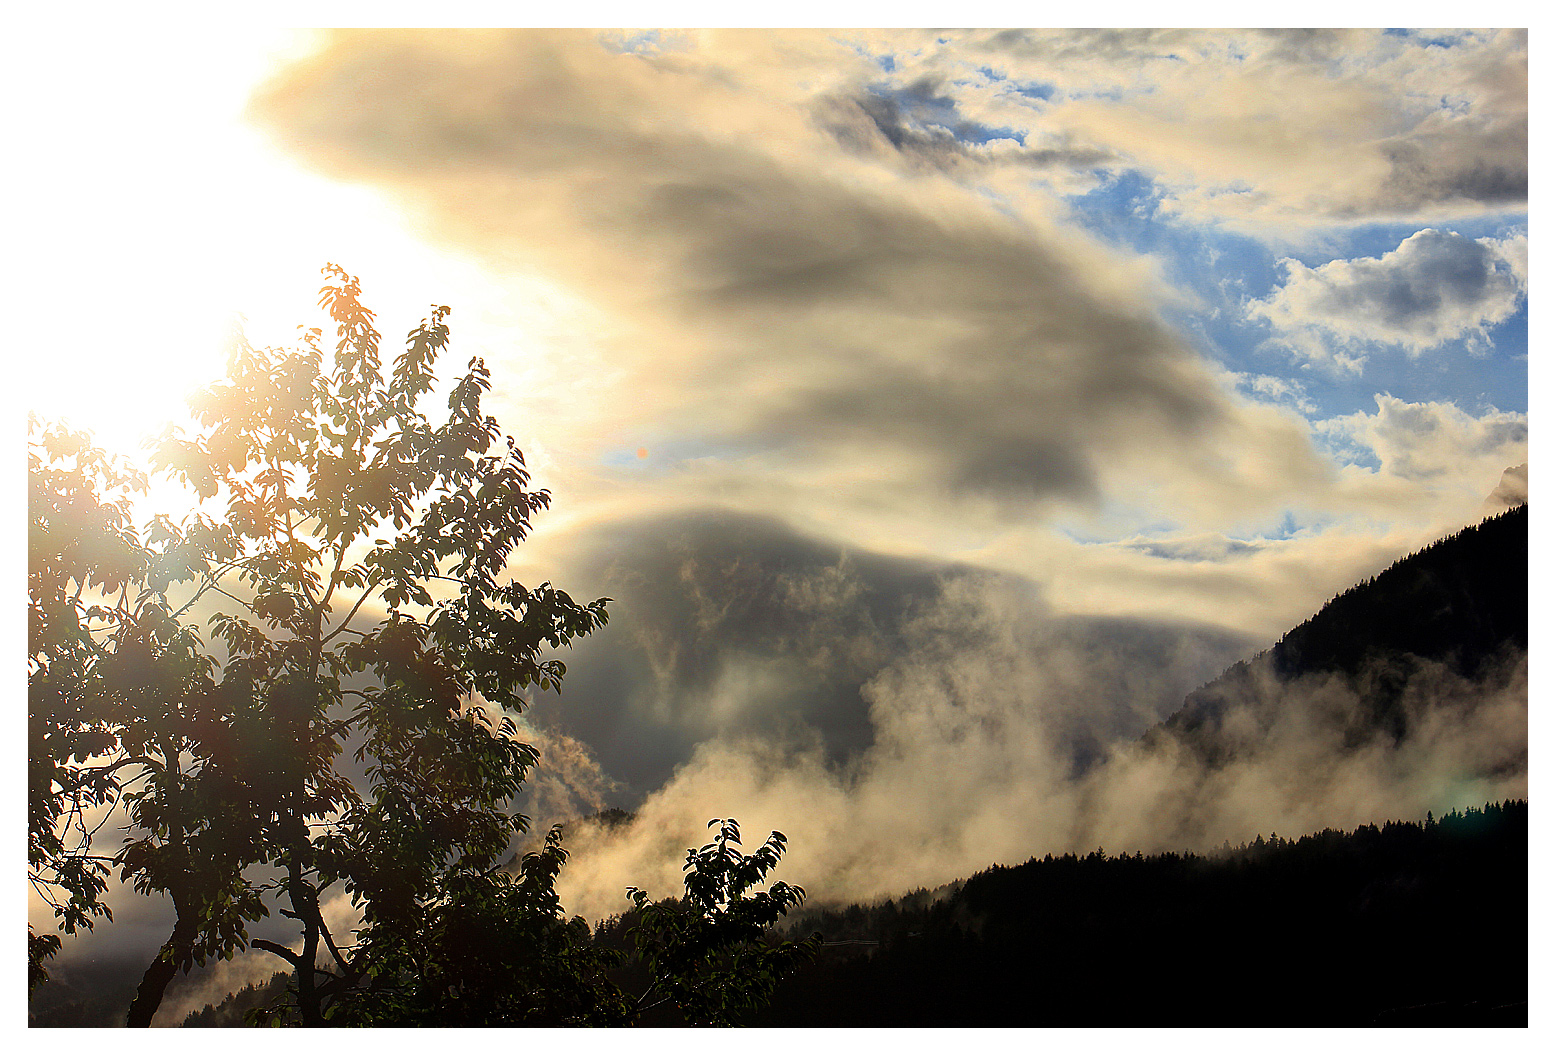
(1458, 608)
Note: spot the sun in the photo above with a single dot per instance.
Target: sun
(165, 222)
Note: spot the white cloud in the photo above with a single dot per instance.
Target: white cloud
(1435, 445)
(1436, 287)
(1283, 392)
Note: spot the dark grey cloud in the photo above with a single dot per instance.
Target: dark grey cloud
(1490, 169)
(1298, 45)
(926, 132)
(1091, 45)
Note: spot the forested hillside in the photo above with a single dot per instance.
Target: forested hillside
(1404, 923)
(1458, 601)
(1459, 606)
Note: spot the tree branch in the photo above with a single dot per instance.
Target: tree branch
(277, 949)
(340, 559)
(229, 594)
(347, 620)
(329, 941)
(86, 776)
(212, 578)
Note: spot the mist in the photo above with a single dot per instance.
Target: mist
(998, 737)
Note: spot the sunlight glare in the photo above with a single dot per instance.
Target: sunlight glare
(171, 220)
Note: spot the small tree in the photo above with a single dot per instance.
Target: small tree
(709, 954)
(319, 746)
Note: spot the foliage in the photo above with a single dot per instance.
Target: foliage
(350, 727)
(82, 560)
(712, 955)
(490, 949)
(708, 954)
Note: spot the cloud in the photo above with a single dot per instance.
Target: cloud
(923, 130)
(1200, 548)
(1434, 445)
(567, 781)
(729, 627)
(1275, 133)
(1286, 392)
(1259, 582)
(986, 712)
(1269, 131)
(211, 984)
(784, 308)
(1436, 287)
(1304, 765)
(1513, 488)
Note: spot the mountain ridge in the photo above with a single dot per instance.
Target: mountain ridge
(1461, 603)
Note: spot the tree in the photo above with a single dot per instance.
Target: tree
(352, 727)
(711, 954)
(706, 953)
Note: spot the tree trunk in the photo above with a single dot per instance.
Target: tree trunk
(160, 973)
(306, 908)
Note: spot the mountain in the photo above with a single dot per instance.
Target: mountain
(1404, 923)
(1459, 606)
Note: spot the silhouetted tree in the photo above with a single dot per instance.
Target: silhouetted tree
(77, 533)
(337, 496)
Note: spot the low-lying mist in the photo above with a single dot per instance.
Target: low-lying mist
(997, 736)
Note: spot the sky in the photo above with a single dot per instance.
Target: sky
(939, 407)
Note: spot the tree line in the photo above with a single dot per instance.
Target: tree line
(1402, 923)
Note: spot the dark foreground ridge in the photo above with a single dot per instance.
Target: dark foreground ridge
(1393, 925)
